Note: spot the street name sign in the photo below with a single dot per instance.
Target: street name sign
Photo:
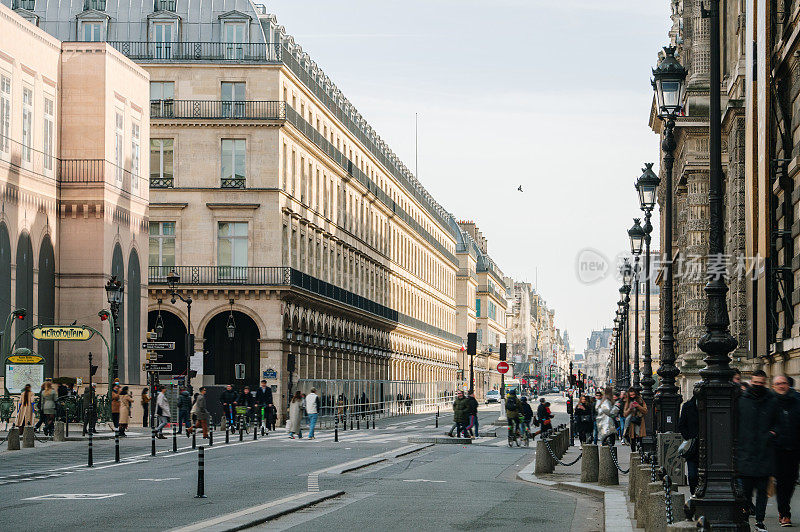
(502, 367)
(62, 332)
(158, 366)
(158, 346)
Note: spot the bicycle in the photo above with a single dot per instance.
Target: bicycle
(514, 434)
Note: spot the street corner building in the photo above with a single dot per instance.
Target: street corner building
(311, 254)
(74, 125)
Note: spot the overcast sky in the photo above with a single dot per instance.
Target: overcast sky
(550, 95)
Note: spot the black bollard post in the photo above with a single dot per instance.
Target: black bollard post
(437, 420)
(255, 433)
(241, 431)
(174, 440)
(91, 459)
(336, 430)
(227, 435)
(358, 423)
(210, 438)
(116, 445)
(153, 442)
(373, 421)
(194, 439)
(351, 422)
(66, 427)
(201, 492)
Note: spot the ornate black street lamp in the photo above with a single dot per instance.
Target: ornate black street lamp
(669, 82)
(115, 293)
(646, 186)
(716, 497)
(623, 377)
(617, 355)
(231, 325)
(625, 290)
(172, 279)
(636, 234)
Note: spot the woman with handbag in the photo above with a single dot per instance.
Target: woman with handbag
(634, 411)
(583, 415)
(607, 410)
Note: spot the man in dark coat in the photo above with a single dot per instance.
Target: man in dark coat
(88, 401)
(689, 427)
(228, 401)
(264, 401)
(461, 415)
(758, 410)
(787, 446)
(472, 412)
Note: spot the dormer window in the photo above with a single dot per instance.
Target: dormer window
(92, 31)
(234, 40)
(97, 5)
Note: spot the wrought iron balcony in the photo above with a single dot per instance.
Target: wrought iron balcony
(219, 109)
(165, 52)
(233, 182)
(99, 5)
(162, 181)
(165, 5)
(75, 172)
(23, 4)
(283, 276)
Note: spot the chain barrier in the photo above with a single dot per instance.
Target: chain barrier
(668, 498)
(652, 467)
(616, 462)
(549, 450)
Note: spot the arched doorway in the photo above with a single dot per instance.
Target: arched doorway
(5, 272)
(47, 301)
(24, 297)
(118, 270)
(134, 321)
(221, 353)
(174, 331)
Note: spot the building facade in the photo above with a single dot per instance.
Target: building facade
(597, 356)
(73, 148)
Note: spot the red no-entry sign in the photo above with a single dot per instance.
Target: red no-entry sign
(502, 367)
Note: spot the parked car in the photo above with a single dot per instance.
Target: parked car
(492, 396)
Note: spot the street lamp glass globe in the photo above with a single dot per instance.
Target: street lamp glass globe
(637, 236)
(669, 84)
(646, 186)
(627, 274)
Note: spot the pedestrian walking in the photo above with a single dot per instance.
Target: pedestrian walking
(25, 413)
(689, 427)
(264, 402)
(162, 411)
(228, 400)
(145, 402)
(758, 409)
(472, 405)
(526, 415)
(584, 419)
(787, 446)
(312, 410)
(89, 411)
(38, 408)
(606, 412)
(400, 402)
(184, 409)
(295, 414)
(409, 403)
(634, 410)
(340, 409)
(48, 402)
(114, 407)
(201, 414)
(125, 405)
(461, 414)
(598, 399)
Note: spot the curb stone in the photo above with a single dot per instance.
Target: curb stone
(615, 507)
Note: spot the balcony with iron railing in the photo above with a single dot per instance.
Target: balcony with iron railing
(290, 277)
(81, 173)
(99, 5)
(162, 181)
(218, 109)
(23, 4)
(165, 5)
(233, 181)
(491, 290)
(166, 52)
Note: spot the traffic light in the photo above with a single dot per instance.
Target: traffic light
(572, 380)
(93, 369)
(472, 344)
(503, 351)
(103, 315)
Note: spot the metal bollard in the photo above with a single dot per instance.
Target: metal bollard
(358, 423)
(174, 440)
(241, 431)
(344, 425)
(153, 442)
(373, 421)
(336, 430)
(227, 435)
(210, 438)
(116, 445)
(91, 460)
(201, 459)
(351, 422)
(255, 433)
(66, 427)
(194, 439)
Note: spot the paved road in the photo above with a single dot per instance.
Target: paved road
(442, 487)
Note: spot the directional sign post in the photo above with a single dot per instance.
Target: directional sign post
(159, 367)
(502, 367)
(158, 346)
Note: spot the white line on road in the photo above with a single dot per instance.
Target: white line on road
(227, 517)
(120, 464)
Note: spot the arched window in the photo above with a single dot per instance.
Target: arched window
(24, 297)
(46, 311)
(5, 272)
(134, 302)
(118, 270)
